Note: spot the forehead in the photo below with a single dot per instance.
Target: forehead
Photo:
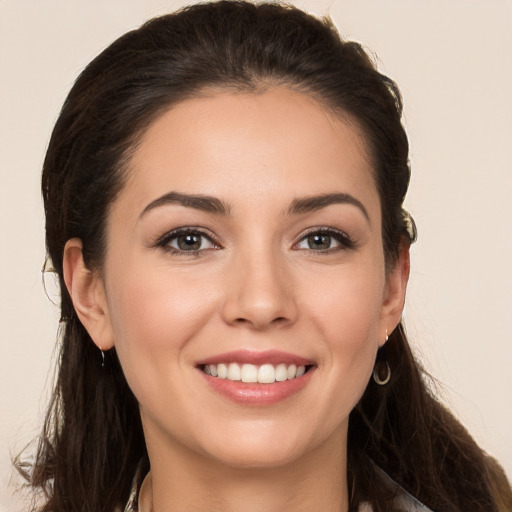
(250, 144)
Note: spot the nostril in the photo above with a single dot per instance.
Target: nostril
(278, 320)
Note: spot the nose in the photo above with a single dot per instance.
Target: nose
(260, 294)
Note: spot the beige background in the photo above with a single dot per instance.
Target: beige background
(452, 60)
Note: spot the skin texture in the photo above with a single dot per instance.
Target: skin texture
(255, 284)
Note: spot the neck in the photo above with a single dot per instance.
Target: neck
(182, 480)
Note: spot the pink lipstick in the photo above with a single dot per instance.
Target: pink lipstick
(256, 377)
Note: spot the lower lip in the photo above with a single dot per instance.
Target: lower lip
(257, 394)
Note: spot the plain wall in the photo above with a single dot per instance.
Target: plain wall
(451, 59)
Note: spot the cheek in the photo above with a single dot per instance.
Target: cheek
(153, 318)
(347, 317)
(148, 312)
(347, 304)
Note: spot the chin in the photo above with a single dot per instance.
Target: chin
(259, 447)
(257, 458)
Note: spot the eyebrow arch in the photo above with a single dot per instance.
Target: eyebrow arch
(197, 201)
(313, 203)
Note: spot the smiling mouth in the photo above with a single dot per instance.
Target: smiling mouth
(250, 373)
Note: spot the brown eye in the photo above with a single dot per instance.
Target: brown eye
(189, 242)
(319, 241)
(325, 240)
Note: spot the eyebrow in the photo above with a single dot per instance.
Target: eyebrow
(314, 203)
(197, 201)
(211, 204)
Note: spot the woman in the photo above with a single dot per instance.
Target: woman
(223, 195)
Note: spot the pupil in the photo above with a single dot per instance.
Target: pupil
(189, 242)
(319, 241)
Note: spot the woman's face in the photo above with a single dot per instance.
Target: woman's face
(248, 233)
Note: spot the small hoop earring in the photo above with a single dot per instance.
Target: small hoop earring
(376, 376)
(382, 364)
(102, 358)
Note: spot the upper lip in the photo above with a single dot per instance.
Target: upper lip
(256, 358)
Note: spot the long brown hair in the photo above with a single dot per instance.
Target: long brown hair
(92, 446)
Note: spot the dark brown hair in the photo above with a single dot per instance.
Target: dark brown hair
(92, 444)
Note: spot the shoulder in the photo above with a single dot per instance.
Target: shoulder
(403, 501)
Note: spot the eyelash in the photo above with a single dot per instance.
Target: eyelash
(164, 241)
(340, 236)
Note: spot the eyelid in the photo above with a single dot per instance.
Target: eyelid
(345, 241)
(164, 240)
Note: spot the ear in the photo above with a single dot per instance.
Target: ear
(87, 293)
(394, 293)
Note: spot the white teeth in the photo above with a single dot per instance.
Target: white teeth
(264, 374)
(249, 373)
(222, 370)
(281, 373)
(292, 371)
(234, 372)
